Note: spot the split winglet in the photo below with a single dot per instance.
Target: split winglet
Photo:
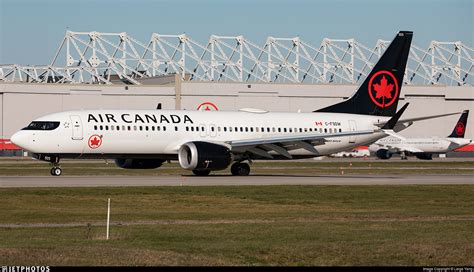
(393, 121)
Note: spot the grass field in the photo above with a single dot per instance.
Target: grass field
(430, 225)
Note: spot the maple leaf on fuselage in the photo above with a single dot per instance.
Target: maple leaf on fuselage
(382, 89)
(95, 141)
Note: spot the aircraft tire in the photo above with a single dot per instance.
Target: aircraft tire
(240, 169)
(56, 171)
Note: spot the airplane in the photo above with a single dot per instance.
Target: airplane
(205, 141)
(422, 148)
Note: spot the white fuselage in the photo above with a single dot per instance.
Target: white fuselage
(426, 145)
(164, 131)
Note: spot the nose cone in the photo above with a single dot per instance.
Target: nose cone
(21, 139)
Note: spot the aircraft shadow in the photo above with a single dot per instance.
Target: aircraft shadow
(297, 176)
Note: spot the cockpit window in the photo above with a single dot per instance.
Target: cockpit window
(42, 125)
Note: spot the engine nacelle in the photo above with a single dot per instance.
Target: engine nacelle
(424, 156)
(383, 154)
(138, 163)
(204, 156)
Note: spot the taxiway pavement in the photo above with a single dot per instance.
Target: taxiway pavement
(222, 180)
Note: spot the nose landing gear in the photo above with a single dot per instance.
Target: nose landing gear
(56, 171)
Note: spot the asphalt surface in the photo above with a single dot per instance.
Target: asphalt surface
(216, 180)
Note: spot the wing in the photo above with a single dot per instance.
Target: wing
(283, 144)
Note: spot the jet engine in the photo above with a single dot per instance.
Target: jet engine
(424, 156)
(383, 154)
(138, 163)
(204, 156)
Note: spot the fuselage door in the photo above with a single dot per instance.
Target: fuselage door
(76, 127)
(352, 127)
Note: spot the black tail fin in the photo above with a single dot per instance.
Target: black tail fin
(460, 128)
(379, 93)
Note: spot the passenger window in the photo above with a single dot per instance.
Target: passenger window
(219, 129)
(301, 130)
(251, 129)
(146, 128)
(111, 127)
(175, 128)
(118, 127)
(95, 127)
(284, 130)
(187, 128)
(230, 129)
(279, 129)
(153, 128)
(325, 130)
(129, 128)
(225, 129)
(141, 128)
(164, 128)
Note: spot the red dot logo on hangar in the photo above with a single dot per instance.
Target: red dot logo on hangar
(207, 106)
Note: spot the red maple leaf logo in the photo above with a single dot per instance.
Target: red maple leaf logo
(95, 141)
(459, 128)
(383, 90)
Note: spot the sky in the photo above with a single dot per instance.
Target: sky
(31, 30)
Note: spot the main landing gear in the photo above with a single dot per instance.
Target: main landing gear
(240, 169)
(237, 169)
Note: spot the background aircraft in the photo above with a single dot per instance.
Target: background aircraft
(422, 148)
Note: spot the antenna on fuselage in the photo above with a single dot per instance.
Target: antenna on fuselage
(158, 107)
